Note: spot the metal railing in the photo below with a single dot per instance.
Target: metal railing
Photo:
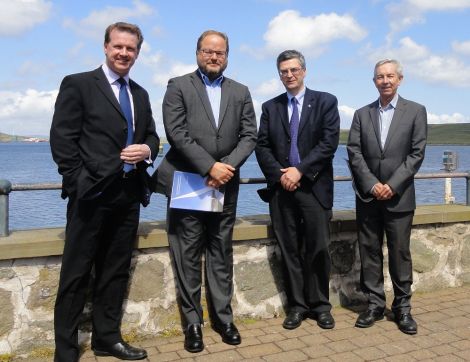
(6, 187)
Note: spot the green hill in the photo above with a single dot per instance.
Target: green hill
(438, 134)
(9, 138)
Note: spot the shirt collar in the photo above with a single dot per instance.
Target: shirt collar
(215, 83)
(113, 76)
(393, 103)
(299, 96)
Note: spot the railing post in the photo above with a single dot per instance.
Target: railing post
(5, 189)
(468, 188)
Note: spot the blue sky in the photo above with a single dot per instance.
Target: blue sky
(43, 41)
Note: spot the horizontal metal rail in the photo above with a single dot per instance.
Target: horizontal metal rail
(6, 188)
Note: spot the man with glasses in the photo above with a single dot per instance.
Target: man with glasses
(211, 126)
(297, 139)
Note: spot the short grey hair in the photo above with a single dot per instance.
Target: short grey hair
(391, 61)
(291, 54)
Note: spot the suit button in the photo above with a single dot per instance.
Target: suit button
(287, 158)
(288, 141)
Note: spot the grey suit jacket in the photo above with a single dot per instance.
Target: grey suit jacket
(400, 159)
(196, 142)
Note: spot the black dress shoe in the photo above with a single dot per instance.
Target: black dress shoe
(229, 333)
(368, 318)
(406, 323)
(121, 350)
(193, 338)
(325, 320)
(293, 320)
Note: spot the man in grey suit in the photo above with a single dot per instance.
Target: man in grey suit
(386, 147)
(211, 126)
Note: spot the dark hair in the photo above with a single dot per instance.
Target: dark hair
(291, 54)
(211, 32)
(121, 26)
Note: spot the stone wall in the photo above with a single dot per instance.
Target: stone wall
(441, 258)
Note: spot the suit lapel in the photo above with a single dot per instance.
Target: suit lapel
(396, 120)
(138, 105)
(374, 118)
(283, 114)
(308, 104)
(201, 91)
(224, 97)
(104, 86)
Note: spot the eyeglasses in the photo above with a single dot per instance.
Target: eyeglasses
(208, 53)
(294, 71)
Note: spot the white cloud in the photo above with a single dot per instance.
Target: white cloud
(461, 47)
(176, 70)
(269, 88)
(310, 34)
(19, 16)
(257, 106)
(421, 63)
(27, 113)
(447, 118)
(93, 25)
(346, 115)
(408, 12)
(439, 5)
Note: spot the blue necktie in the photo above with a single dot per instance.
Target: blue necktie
(294, 158)
(125, 103)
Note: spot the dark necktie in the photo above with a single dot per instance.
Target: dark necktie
(125, 103)
(294, 158)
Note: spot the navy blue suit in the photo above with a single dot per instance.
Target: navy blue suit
(300, 218)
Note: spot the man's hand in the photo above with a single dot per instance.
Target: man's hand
(290, 179)
(135, 153)
(382, 191)
(219, 174)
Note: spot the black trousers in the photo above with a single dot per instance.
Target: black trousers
(99, 233)
(373, 222)
(192, 234)
(301, 227)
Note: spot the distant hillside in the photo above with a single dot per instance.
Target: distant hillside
(438, 134)
(8, 138)
(449, 134)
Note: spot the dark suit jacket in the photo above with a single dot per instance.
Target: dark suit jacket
(89, 132)
(400, 159)
(317, 141)
(196, 142)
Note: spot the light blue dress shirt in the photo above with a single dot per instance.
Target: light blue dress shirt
(385, 118)
(300, 103)
(214, 92)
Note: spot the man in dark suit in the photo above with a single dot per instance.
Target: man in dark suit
(210, 124)
(386, 148)
(297, 139)
(102, 138)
